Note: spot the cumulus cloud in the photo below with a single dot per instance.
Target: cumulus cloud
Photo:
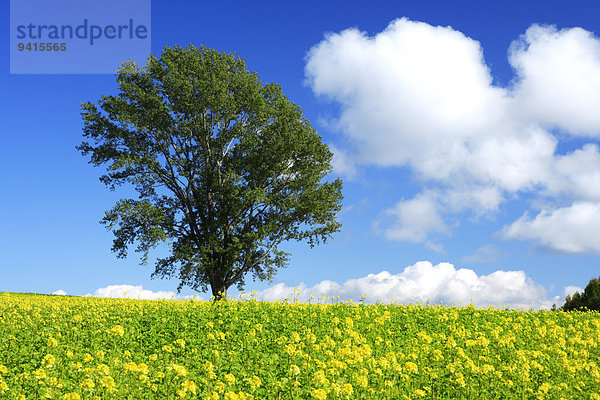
(577, 175)
(413, 219)
(571, 290)
(424, 281)
(559, 77)
(484, 254)
(342, 163)
(59, 292)
(571, 229)
(423, 97)
(132, 292)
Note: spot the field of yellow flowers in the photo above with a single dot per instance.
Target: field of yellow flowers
(60, 347)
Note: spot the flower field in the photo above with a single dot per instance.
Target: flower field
(92, 348)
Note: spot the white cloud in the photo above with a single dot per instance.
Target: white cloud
(559, 77)
(132, 292)
(422, 282)
(422, 97)
(342, 163)
(571, 290)
(411, 78)
(484, 254)
(59, 292)
(413, 219)
(577, 175)
(571, 229)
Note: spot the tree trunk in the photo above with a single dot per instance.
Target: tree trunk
(219, 292)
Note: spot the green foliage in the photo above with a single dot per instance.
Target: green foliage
(226, 168)
(588, 300)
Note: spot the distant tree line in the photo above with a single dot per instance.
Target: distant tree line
(588, 300)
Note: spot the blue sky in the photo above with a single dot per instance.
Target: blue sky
(465, 132)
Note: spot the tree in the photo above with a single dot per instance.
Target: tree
(226, 168)
(588, 300)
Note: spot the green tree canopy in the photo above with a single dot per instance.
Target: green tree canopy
(226, 168)
(588, 300)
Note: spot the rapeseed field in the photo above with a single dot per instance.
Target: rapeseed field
(58, 347)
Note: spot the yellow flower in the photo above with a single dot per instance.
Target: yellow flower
(545, 387)
(3, 369)
(294, 370)
(48, 361)
(54, 382)
(109, 383)
(347, 389)
(3, 386)
(133, 367)
(410, 367)
(336, 389)
(87, 357)
(231, 396)
(153, 357)
(362, 381)
(189, 386)
(460, 379)
(88, 384)
(230, 379)
(103, 369)
(39, 373)
(117, 330)
(130, 366)
(319, 376)
(254, 381)
(319, 394)
(142, 368)
(72, 396)
(181, 343)
(52, 342)
(290, 349)
(208, 366)
(178, 369)
(420, 393)
(424, 337)
(167, 349)
(219, 386)
(488, 368)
